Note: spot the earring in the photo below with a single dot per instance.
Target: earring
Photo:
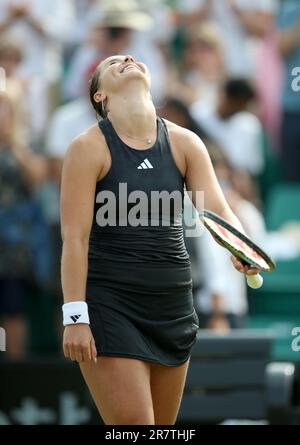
(103, 108)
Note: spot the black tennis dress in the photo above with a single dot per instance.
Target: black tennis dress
(139, 286)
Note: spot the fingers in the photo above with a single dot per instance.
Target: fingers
(252, 271)
(79, 356)
(237, 264)
(79, 344)
(87, 357)
(243, 268)
(93, 351)
(72, 354)
(66, 350)
(81, 353)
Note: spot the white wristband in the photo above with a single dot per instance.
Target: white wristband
(75, 312)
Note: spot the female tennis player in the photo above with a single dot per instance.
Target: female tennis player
(128, 308)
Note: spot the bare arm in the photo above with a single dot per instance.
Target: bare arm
(81, 168)
(201, 177)
(256, 22)
(34, 167)
(79, 177)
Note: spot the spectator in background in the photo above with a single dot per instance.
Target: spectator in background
(117, 27)
(238, 21)
(161, 34)
(201, 70)
(41, 28)
(268, 79)
(176, 111)
(28, 94)
(21, 172)
(10, 58)
(221, 300)
(233, 127)
(83, 10)
(68, 121)
(112, 27)
(289, 43)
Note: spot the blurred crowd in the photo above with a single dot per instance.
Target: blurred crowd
(229, 70)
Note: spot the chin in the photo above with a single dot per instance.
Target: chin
(135, 75)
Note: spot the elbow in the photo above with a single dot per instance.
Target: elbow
(75, 239)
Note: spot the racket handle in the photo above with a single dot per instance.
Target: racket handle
(254, 281)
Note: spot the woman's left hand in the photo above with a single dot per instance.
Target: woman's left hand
(243, 268)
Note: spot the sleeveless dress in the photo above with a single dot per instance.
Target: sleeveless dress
(139, 286)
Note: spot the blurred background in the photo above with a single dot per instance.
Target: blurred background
(229, 70)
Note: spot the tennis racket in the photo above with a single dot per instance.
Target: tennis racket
(239, 245)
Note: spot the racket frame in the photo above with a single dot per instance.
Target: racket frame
(219, 220)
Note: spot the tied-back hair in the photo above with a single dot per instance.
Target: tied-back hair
(99, 107)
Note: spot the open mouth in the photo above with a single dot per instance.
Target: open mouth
(127, 67)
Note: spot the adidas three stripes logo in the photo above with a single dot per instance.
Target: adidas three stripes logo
(145, 165)
(75, 318)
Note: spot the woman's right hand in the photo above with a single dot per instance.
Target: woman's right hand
(79, 344)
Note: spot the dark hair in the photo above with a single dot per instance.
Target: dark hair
(239, 88)
(94, 87)
(181, 107)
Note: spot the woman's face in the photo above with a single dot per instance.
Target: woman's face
(203, 57)
(117, 71)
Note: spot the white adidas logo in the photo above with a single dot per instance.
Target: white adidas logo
(145, 165)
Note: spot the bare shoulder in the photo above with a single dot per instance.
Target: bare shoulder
(187, 141)
(88, 151)
(88, 144)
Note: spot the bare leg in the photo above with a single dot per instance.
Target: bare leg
(121, 390)
(167, 385)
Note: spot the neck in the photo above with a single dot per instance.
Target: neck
(132, 113)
